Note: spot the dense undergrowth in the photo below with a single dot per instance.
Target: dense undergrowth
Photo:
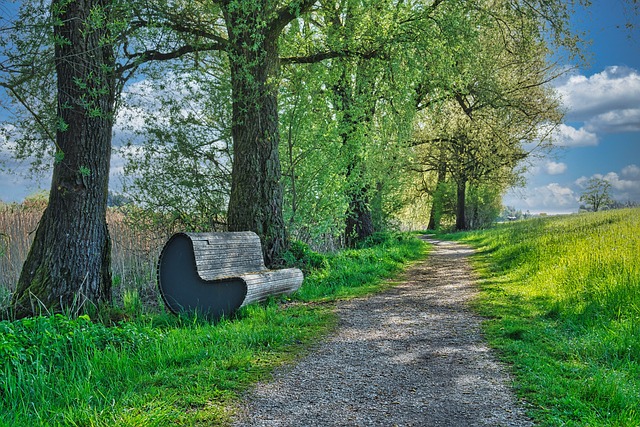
(562, 297)
(156, 369)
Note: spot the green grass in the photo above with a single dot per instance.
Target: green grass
(159, 370)
(562, 298)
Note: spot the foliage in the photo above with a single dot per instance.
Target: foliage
(562, 298)
(301, 256)
(313, 168)
(354, 272)
(483, 206)
(182, 167)
(475, 130)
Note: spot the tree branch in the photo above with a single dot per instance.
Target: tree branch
(288, 13)
(35, 115)
(155, 55)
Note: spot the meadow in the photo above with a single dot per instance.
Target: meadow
(562, 299)
(136, 365)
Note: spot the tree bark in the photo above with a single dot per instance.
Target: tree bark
(442, 175)
(256, 199)
(460, 205)
(359, 223)
(68, 264)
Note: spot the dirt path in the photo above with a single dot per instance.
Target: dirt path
(412, 356)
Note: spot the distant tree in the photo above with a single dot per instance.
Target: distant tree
(474, 130)
(597, 194)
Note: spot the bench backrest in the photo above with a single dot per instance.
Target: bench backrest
(220, 255)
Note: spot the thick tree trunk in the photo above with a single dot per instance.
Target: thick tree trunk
(68, 264)
(359, 219)
(256, 199)
(460, 205)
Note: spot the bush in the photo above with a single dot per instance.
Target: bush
(300, 255)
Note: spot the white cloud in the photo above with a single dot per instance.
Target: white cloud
(555, 194)
(553, 168)
(551, 198)
(627, 120)
(631, 172)
(622, 185)
(615, 88)
(582, 182)
(568, 136)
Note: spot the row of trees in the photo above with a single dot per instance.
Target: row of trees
(345, 97)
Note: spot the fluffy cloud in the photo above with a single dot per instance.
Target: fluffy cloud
(568, 136)
(614, 90)
(553, 168)
(631, 172)
(627, 120)
(551, 198)
(561, 197)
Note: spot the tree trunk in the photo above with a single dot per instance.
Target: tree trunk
(256, 199)
(69, 261)
(359, 223)
(475, 215)
(460, 205)
(434, 223)
(359, 219)
(432, 217)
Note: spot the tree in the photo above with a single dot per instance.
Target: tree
(82, 46)
(597, 194)
(248, 32)
(178, 161)
(476, 131)
(68, 263)
(251, 35)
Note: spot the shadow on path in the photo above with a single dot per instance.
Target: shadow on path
(411, 356)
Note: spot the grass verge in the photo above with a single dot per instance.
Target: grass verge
(159, 370)
(562, 298)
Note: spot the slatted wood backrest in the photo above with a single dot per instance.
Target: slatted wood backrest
(220, 255)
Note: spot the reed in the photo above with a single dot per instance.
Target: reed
(134, 251)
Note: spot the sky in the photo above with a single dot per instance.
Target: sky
(600, 136)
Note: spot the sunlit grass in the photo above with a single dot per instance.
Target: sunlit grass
(563, 299)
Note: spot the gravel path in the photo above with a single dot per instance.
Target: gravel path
(411, 356)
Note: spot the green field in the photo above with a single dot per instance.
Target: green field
(562, 298)
(157, 369)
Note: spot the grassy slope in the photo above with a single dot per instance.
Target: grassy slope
(160, 370)
(562, 297)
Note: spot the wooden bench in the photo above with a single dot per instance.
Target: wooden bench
(214, 274)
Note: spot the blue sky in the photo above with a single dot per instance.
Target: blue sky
(600, 137)
(601, 134)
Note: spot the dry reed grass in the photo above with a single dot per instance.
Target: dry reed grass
(134, 252)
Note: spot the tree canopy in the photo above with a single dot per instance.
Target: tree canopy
(307, 117)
